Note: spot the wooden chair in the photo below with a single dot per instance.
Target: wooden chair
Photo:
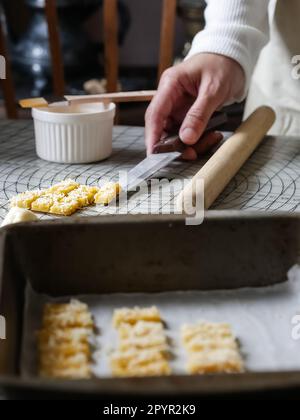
(111, 49)
(7, 84)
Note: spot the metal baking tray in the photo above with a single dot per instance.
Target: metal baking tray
(142, 254)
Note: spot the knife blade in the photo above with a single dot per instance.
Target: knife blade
(153, 163)
(146, 168)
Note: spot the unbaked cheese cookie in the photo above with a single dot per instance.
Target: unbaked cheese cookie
(134, 315)
(143, 348)
(64, 341)
(107, 193)
(64, 198)
(211, 348)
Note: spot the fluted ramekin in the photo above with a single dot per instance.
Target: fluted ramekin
(74, 134)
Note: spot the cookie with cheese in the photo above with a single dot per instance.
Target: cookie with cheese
(134, 315)
(63, 187)
(139, 329)
(217, 360)
(25, 199)
(107, 193)
(139, 363)
(65, 206)
(64, 349)
(211, 348)
(44, 203)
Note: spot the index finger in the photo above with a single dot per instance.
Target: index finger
(157, 113)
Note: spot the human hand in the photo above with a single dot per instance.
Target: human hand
(188, 94)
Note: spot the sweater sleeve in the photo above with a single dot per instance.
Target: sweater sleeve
(237, 29)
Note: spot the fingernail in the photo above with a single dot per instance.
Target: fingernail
(188, 135)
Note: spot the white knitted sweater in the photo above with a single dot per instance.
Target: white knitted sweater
(237, 29)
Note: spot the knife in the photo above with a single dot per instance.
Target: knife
(172, 147)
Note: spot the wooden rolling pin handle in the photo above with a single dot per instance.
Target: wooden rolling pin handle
(229, 158)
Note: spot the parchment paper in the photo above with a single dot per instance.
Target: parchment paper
(261, 319)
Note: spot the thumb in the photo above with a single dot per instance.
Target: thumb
(197, 118)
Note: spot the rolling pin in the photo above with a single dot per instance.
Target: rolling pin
(229, 158)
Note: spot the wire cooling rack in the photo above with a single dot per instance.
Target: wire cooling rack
(269, 181)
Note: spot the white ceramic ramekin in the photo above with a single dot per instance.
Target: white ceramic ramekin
(74, 134)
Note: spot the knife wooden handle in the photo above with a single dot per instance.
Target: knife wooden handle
(229, 158)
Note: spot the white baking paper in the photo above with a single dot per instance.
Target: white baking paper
(265, 321)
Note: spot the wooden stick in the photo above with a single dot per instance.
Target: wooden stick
(55, 48)
(111, 53)
(138, 96)
(229, 158)
(167, 35)
(134, 96)
(7, 83)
